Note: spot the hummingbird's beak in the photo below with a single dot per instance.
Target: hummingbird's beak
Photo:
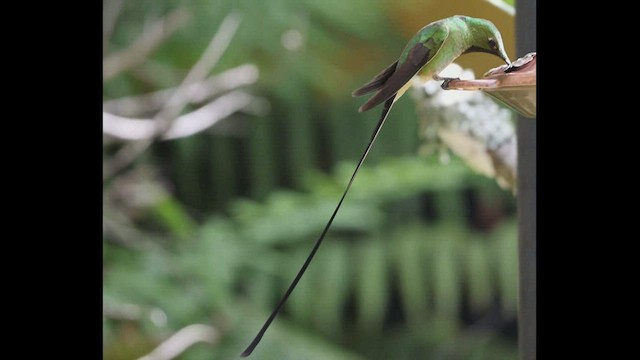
(504, 57)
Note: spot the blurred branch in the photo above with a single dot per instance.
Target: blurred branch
(122, 311)
(233, 78)
(182, 340)
(199, 71)
(144, 45)
(180, 97)
(134, 312)
(504, 6)
(111, 11)
(185, 125)
(126, 235)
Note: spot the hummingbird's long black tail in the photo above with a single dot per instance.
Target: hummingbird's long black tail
(376, 131)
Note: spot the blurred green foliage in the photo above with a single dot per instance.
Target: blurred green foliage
(210, 229)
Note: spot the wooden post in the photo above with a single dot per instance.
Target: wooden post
(526, 132)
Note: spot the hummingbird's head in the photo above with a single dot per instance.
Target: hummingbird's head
(485, 37)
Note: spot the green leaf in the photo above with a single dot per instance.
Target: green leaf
(372, 285)
(478, 275)
(507, 260)
(447, 284)
(332, 283)
(410, 261)
(174, 217)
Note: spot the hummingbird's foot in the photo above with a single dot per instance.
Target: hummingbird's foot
(511, 67)
(446, 81)
(437, 77)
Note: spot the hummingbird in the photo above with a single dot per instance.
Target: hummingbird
(432, 48)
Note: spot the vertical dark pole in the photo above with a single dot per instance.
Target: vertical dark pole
(526, 129)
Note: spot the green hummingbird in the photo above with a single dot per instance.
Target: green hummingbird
(433, 48)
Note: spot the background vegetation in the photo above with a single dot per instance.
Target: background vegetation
(202, 233)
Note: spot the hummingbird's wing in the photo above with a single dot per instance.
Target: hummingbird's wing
(413, 58)
(377, 82)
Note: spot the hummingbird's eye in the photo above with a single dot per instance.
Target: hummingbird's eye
(492, 44)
